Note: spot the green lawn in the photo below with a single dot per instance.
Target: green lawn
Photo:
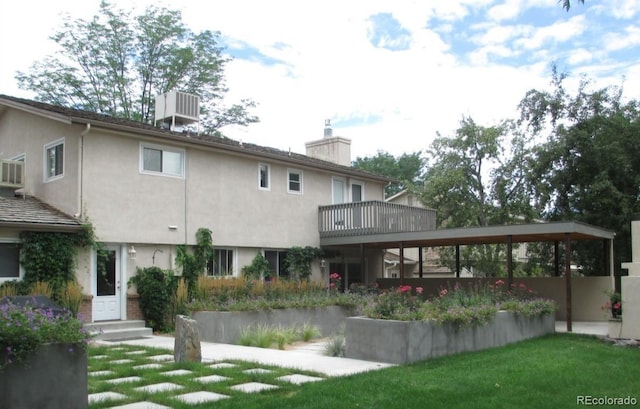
(549, 372)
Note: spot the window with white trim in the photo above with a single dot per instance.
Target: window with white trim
(294, 181)
(54, 160)
(10, 261)
(221, 263)
(161, 160)
(264, 176)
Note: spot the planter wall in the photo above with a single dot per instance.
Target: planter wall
(403, 342)
(226, 327)
(53, 377)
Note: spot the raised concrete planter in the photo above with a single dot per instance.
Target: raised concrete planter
(226, 327)
(403, 342)
(53, 377)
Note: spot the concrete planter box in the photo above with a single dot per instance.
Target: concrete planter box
(53, 377)
(403, 342)
(226, 327)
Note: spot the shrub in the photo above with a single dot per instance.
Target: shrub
(25, 328)
(258, 269)
(336, 346)
(71, 297)
(41, 288)
(156, 288)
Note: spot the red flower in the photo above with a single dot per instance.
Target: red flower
(405, 289)
(419, 290)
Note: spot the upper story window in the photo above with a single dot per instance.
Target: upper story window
(294, 181)
(161, 160)
(264, 176)
(338, 190)
(54, 160)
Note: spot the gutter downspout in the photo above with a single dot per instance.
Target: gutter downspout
(81, 171)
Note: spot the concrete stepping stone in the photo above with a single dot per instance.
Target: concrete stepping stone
(100, 373)
(298, 379)
(141, 405)
(222, 365)
(148, 366)
(121, 361)
(200, 397)
(211, 379)
(136, 352)
(159, 387)
(99, 357)
(102, 396)
(128, 379)
(253, 387)
(257, 371)
(177, 372)
(164, 357)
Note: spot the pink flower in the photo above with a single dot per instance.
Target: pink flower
(522, 285)
(332, 285)
(499, 282)
(419, 290)
(443, 292)
(405, 289)
(334, 276)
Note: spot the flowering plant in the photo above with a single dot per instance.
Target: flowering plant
(398, 304)
(614, 305)
(335, 282)
(23, 328)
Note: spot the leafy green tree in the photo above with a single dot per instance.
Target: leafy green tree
(117, 63)
(408, 169)
(475, 180)
(588, 169)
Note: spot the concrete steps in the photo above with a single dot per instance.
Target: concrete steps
(118, 330)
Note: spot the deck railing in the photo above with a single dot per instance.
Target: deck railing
(373, 217)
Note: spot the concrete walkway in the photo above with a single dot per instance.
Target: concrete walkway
(308, 357)
(599, 328)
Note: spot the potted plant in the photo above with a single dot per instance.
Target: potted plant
(43, 355)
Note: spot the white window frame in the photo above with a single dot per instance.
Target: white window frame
(234, 263)
(359, 183)
(301, 181)
(20, 268)
(345, 192)
(163, 149)
(45, 162)
(268, 169)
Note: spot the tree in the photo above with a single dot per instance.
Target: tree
(588, 169)
(117, 63)
(475, 179)
(566, 4)
(408, 169)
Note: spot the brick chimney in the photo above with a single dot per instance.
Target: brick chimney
(331, 148)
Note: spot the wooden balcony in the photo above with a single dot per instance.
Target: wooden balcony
(11, 173)
(373, 217)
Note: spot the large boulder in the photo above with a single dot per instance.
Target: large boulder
(187, 340)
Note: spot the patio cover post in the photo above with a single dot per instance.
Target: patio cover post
(510, 260)
(420, 262)
(401, 263)
(556, 258)
(567, 277)
(457, 261)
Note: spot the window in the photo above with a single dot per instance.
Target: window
(10, 261)
(338, 190)
(161, 160)
(276, 258)
(294, 181)
(54, 160)
(221, 264)
(264, 176)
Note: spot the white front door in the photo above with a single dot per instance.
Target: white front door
(106, 279)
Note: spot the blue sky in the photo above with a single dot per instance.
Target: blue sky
(389, 74)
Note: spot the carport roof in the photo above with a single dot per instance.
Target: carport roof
(519, 233)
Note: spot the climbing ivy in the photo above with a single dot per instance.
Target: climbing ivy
(299, 259)
(52, 256)
(194, 263)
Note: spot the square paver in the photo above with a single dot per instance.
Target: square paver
(141, 405)
(200, 397)
(148, 366)
(298, 379)
(136, 352)
(100, 373)
(100, 356)
(121, 361)
(164, 357)
(128, 379)
(177, 372)
(222, 365)
(159, 387)
(257, 371)
(102, 396)
(253, 387)
(212, 379)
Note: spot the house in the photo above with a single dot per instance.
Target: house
(148, 189)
